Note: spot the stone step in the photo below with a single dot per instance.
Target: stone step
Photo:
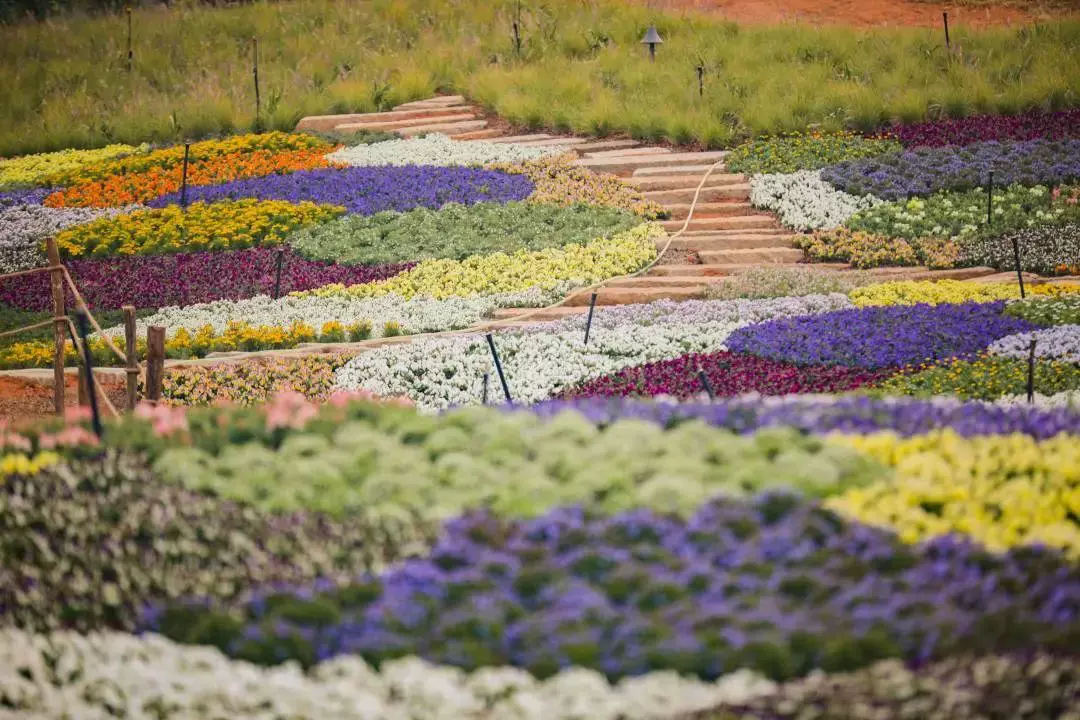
(325, 123)
(633, 296)
(627, 152)
(444, 128)
(389, 125)
(436, 101)
(756, 232)
(746, 242)
(709, 209)
(722, 223)
(597, 145)
(555, 313)
(682, 182)
(684, 270)
(555, 141)
(709, 193)
(729, 269)
(627, 165)
(523, 138)
(485, 134)
(665, 281)
(751, 256)
(677, 170)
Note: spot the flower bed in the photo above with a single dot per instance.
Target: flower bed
(44, 168)
(879, 337)
(182, 278)
(1063, 310)
(984, 378)
(140, 187)
(25, 227)
(798, 151)
(804, 201)
(541, 362)
(438, 149)
(1046, 249)
(940, 292)
(227, 225)
(727, 374)
(942, 486)
(457, 232)
(764, 584)
(368, 190)
(928, 170)
(27, 196)
(1032, 125)
(254, 381)
(1056, 343)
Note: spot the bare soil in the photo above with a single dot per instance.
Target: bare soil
(24, 400)
(872, 13)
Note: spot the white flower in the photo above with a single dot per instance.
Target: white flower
(804, 201)
(436, 149)
(1060, 342)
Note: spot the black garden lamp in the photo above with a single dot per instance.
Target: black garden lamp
(652, 39)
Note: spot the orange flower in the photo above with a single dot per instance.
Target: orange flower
(127, 189)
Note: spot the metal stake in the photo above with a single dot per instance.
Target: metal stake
(255, 73)
(487, 382)
(499, 368)
(1016, 259)
(183, 177)
(1031, 373)
(588, 321)
(701, 80)
(129, 53)
(84, 330)
(706, 384)
(945, 19)
(277, 272)
(990, 199)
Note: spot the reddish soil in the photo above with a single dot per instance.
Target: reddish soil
(866, 13)
(23, 400)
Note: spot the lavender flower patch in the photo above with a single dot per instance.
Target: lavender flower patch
(775, 584)
(925, 171)
(822, 414)
(980, 128)
(152, 281)
(368, 190)
(23, 227)
(25, 196)
(1061, 342)
(880, 337)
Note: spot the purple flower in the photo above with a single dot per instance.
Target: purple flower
(29, 196)
(368, 190)
(1033, 125)
(880, 337)
(152, 281)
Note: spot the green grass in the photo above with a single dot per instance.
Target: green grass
(582, 69)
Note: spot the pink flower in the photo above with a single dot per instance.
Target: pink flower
(164, 420)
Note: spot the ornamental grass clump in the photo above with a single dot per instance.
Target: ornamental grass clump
(368, 190)
(728, 374)
(879, 337)
(805, 151)
(457, 232)
(225, 225)
(88, 544)
(984, 378)
(773, 584)
(141, 187)
(925, 171)
(944, 484)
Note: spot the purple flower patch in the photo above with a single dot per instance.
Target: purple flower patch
(775, 584)
(980, 128)
(153, 281)
(880, 337)
(29, 196)
(368, 190)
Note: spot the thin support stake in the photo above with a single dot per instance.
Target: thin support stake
(706, 384)
(945, 19)
(701, 80)
(255, 74)
(1016, 259)
(277, 272)
(487, 382)
(1031, 372)
(517, 28)
(588, 321)
(183, 176)
(88, 363)
(129, 53)
(990, 199)
(499, 368)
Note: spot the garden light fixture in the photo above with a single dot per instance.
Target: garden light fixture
(652, 39)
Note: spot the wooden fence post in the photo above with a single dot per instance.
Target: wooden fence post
(56, 277)
(155, 362)
(131, 351)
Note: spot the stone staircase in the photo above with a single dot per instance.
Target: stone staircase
(726, 234)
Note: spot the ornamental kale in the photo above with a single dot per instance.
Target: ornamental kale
(368, 190)
(775, 584)
(880, 337)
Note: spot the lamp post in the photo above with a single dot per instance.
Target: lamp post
(652, 39)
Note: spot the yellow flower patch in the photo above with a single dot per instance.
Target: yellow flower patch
(51, 168)
(623, 253)
(23, 464)
(223, 225)
(1002, 490)
(912, 292)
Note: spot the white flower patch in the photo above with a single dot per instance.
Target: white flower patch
(1069, 399)
(806, 202)
(1061, 342)
(436, 149)
(23, 227)
(414, 315)
(543, 360)
(115, 675)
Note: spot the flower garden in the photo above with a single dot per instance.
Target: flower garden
(804, 493)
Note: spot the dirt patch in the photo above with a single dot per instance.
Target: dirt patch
(869, 13)
(23, 400)
(679, 257)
